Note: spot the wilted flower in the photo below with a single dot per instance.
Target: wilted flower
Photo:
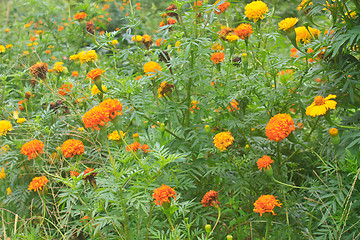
(210, 199)
(165, 88)
(39, 70)
(321, 105)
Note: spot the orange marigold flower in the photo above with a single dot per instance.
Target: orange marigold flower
(266, 203)
(222, 7)
(20, 105)
(38, 183)
(217, 57)
(210, 198)
(256, 10)
(194, 106)
(145, 148)
(321, 105)
(39, 70)
(223, 140)
(65, 89)
(75, 74)
(150, 68)
(101, 114)
(333, 132)
(233, 106)
(243, 31)
(74, 174)
(133, 147)
(279, 127)
(159, 42)
(171, 21)
(32, 148)
(87, 171)
(163, 193)
(264, 162)
(80, 16)
(72, 147)
(95, 73)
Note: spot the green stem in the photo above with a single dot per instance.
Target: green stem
(126, 226)
(268, 225)
(302, 144)
(288, 185)
(217, 221)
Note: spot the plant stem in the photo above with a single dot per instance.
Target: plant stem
(268, 225)
(288, 185)
(217, 221)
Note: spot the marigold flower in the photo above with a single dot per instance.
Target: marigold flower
(74, 174)
(133, 147)
(136, 38)
(217, 57)
(303, 4)
(9, 46)
(244, 30)
(159, 42)
(75, 74)
(288, 24)
(95, 90)
(115, 136)
(304, 36)
(223, 140)
(89, 176)
(222, 7)
(8, 191)
(171, 21)
(150, 68)
(21, 120)
(279, 127)
(264, 162)
(194, 105)
(5, 126)
(333, 132)
(20, 105)
(164, 89)
(95, 73)
(224, 32)
(89, 56)
(38, 183)
(65, 89)
(33, 148)
(39, 70)
(233, 106)
(217, 47)
(72, 147)
(7, 30)
(321, 105)
(147, 41)
(210, 198)
(266, 203)
(171, 10)
(2, 173)
(256, 10)
(145, 148)
(80, 16)
(163, 193)
(232, 38)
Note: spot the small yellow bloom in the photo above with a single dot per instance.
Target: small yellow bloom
(217, 47)
(136, 38)
(8, 191)
(114, 42)
(115, 136)
(81, 129)
(2, 49)
(333, 132)
(7, 30)
(21, 120)
(2, 173)
(25, 53)
(5, 126)
(29, 44)
(95, 90)
(9, 46)
(321, 105)
(232, 38)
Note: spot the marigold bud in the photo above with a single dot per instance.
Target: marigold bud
(208, 228)
(229, 237)
(162, 127)
(207, 129)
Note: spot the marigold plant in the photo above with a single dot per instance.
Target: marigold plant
(5, 127)
(279, 127)
(210, 199)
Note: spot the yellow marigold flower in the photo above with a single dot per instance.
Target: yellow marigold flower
(223, 140)
(7, 30)
(256, 10)
(279, 127)
(4, 149)
(2, 49)
(217, 57)
(264, 162)
(32, 148)
(232, 38)
(95, 90)
(80, 16)
(74, 57)
(266, 203)
(95, 73)
(89, 56)
(5, 126)
(304, 36)
(114, 42)
(9, 46)
(333, 132)
(35, 43)
(2, 173)
(217, 47)
(115, 136)
(8, 191)
(72, 147)
(147, 41)
(162, 194)
(288, 24)
(304, 3)
(150, 68)
(321, 105)
(137, 38)
(58, 67)
(243, 31)
(21, 120)
(38, 183)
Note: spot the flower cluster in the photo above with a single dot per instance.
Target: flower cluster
(5, 126)
(72, 147)
(38, 183)
(256, 10)
(266, 203)
(32, 148)
(279, 127)
(223, 140)
(39, 70)
(321, 105)
(103, 113)
(162, 194)
(210, 199)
